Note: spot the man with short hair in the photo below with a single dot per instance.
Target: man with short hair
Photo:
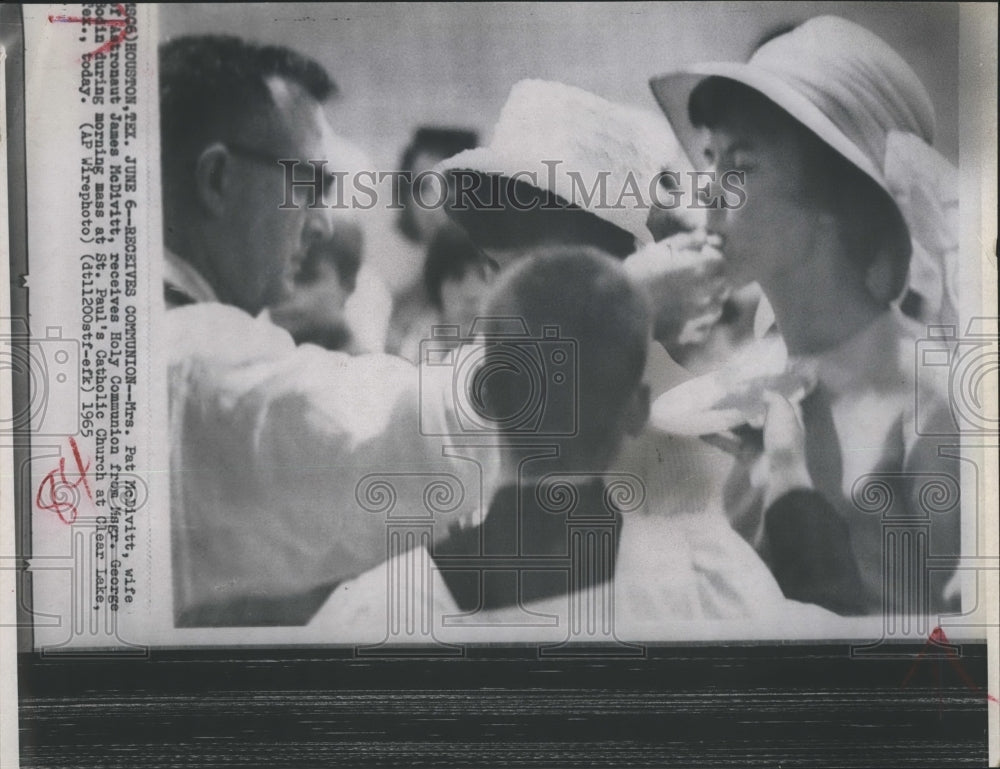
(269, 440)
(597, 361)
(229, 111)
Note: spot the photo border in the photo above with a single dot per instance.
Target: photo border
(739, 704)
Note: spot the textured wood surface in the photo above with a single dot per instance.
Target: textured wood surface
(746, 706)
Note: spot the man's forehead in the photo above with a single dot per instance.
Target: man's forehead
(297, 115)
(286, 94)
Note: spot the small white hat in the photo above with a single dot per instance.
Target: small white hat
(568, 140)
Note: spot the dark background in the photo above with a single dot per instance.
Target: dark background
(743, 706)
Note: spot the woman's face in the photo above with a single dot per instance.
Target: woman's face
(774, 224)
(461, 297)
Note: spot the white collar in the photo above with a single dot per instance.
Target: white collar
(763, 319)
(179, 274)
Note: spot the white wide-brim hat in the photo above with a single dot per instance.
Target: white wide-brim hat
(563, 136)
(842, 82)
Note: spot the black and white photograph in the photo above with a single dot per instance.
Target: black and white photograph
(501, 384)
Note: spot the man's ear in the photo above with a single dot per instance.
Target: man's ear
(213, 178)
(637, 412)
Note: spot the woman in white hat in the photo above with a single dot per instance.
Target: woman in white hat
(828, 123)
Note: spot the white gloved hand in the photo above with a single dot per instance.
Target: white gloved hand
(683, 277)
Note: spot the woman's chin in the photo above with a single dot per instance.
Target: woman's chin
(739, 272)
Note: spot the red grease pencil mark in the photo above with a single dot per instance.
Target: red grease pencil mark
(58, 487)
(939, 641)
(116, 39)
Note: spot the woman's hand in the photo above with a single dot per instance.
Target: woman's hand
(807, 542)
(771, 447)
(683, 277)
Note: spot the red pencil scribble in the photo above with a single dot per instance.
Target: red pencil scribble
(939, 642)
(62, 492)
(117, 38)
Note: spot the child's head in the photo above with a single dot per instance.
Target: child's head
(429, 145)
(583, 296)
(456, 275)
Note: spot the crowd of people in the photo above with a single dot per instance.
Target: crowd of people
(518, 350)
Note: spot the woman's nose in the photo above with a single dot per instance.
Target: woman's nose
(316, 227)
(674, 208)
(713, 199)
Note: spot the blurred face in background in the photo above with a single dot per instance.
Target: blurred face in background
(330, 293)
(427, 207)
(505, 257)
(329, 268)
(462, 297)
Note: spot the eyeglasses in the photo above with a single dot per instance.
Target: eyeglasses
(251, 153)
